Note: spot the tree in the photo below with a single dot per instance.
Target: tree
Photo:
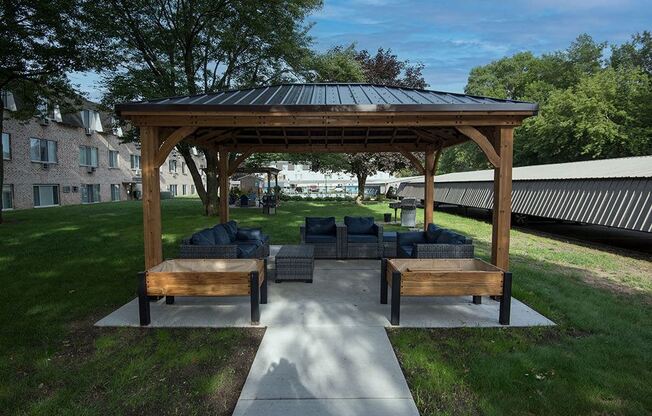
(179, 47)
(635, 53)
(338, 64)
(40, 42)
(385, 68)
(587, 109)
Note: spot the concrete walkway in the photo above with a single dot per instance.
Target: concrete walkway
(325, 350)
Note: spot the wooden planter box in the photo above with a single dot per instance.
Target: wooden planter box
(204, 277)
(444, 277)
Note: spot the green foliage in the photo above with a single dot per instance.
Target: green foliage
(338, 64)
(590, 107)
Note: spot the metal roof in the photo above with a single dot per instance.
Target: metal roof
(329, 97)
(625, 167)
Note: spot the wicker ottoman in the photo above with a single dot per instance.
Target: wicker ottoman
(295, 263)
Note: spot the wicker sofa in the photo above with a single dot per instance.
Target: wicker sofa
(433, 243)
(363, 238)
(225, 241)
(325, 235)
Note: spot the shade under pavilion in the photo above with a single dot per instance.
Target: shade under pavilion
(340, 118)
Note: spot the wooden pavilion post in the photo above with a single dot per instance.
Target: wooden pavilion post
(149, 137)
(224, 185)
(503, 143)
(428, 188)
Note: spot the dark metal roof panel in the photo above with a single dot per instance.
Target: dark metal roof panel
(335, 97)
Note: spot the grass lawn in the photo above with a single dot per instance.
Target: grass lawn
(63, 268)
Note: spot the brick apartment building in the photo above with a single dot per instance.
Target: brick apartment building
(78, 158)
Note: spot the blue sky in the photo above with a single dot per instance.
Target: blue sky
(451, 37)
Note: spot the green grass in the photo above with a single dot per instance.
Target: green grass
(63, 268)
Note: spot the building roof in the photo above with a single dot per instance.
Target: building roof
(330, 97)
(625, 167)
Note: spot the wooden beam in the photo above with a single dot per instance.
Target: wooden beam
(235, 164)
(502, 209)
(331, 120)
(482, 141)
(415, 161)
(320, 147)
(428, 188)
(171, 141)
(224, 185)
(151, 196)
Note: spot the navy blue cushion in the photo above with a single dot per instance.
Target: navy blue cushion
(264, 238)
(405, 251)
(389, 236)
(320, 226)
(231, 229)
(411, 237)
(432, 233)
(320, 239)
(249, 234)
(246, 251)
(221, 235)
(203, 238)
(362, 238)
(448, 237)
(359, 225)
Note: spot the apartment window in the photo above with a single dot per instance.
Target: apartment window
(90, 194)
(7, 197)
(113, 158)
(183, 167)
(135, 162)
(43, 151)
(6, 146)
(173, 190)
(173, 166)
(115, 192)
(88, 156)
(184, 189)
(46, 195)
(192, 189)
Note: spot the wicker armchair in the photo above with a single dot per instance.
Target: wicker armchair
(434, 243)
(329, 244)
(363, 238)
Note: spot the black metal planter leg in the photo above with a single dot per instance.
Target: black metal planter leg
(383, 281)
(255, 299)
(506, 299)
(263, 288)
(169, 300)
(143, 300)
(396, 298)
(477, 300)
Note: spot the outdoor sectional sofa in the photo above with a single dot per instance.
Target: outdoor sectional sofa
(226, 241)
(434, 243)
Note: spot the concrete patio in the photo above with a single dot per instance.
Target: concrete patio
(325, 350)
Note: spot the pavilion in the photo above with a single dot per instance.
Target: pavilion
(344, 118)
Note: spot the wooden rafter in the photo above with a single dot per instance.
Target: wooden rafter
(415, 161)
(482, 141)
(170, 142)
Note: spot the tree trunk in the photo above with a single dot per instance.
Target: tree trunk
(2, 159)
(362, 180)
(185, 151)
(211, 203)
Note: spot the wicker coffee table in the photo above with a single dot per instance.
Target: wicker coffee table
(295, 263)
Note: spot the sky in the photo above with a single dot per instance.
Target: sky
(451, 37)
